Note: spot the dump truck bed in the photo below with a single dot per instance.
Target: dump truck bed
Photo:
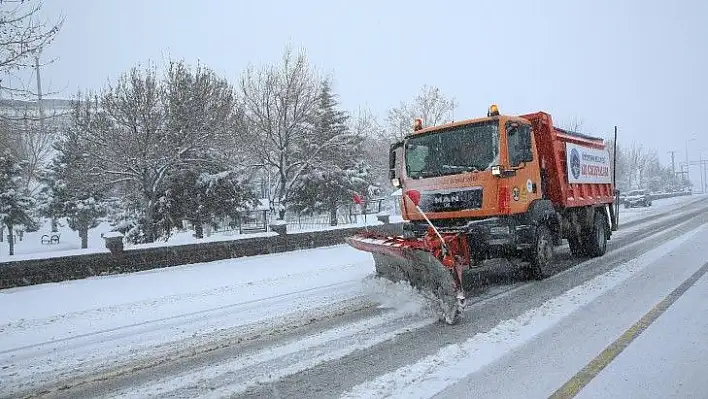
(578, 167)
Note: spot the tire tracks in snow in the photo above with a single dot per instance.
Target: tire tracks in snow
(144, 345)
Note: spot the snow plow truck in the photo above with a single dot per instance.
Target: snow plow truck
(494, 187)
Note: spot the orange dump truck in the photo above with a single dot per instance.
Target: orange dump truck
(493, 187)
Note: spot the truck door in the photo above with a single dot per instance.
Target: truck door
(525, 184)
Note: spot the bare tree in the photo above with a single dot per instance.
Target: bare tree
(431, 105)
(23, 35)
(280, 103)
(574, 125)
(32, 144)
(366, 124)
(639, 163)
(375, 145)
(143, 128)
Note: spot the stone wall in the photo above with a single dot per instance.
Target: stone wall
(29, 272)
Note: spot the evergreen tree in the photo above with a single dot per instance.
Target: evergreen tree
(15, 205)
(331, 182)
(200, 195)
(72, 190)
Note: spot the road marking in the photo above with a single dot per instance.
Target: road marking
(576, 383)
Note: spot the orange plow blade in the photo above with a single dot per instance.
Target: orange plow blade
(399, 259)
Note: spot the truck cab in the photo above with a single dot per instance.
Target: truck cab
(482, 171)
(497, 178)
(469, 169)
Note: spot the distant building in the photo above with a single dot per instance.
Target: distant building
(52, 107)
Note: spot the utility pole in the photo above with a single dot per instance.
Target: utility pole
(40, 104)
(40, 108)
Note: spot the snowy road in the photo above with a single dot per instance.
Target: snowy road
(304, 325)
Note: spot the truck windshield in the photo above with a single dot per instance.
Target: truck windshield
(469, 148)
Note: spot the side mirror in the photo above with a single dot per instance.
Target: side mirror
(392, 160)
(498, 171)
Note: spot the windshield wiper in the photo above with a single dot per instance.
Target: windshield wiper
(445, 171)
(463, 168)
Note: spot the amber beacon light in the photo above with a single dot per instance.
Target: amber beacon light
(493, 110)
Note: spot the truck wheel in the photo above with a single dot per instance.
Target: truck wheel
(597, 237)
(541, 255)
(577, 247)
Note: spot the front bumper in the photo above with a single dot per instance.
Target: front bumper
(490, 237)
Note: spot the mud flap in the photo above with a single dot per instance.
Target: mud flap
(397, 262)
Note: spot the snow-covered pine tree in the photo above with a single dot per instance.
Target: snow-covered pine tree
(200, 195)
(15, 205)
(73, 188)
(331, 181)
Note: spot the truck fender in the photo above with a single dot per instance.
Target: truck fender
(541, 210)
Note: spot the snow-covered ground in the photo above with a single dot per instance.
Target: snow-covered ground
(56, 331)
(547, 347)
(669, 360)
(89, 321)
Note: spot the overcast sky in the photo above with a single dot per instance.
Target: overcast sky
(640, 65)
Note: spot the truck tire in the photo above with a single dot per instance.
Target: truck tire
(596, 242)
(541, 255)
(577, 247)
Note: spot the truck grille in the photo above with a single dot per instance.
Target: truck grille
(450, 201)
